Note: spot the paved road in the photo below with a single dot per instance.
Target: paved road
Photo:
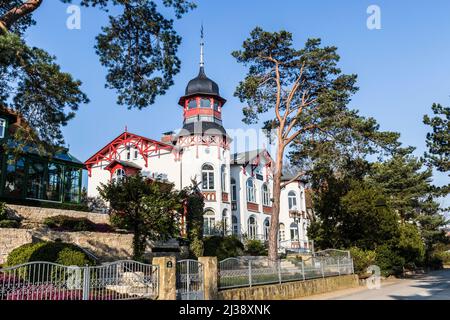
(433, 286)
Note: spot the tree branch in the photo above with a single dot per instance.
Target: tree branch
(13, 15)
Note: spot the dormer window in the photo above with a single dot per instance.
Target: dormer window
(2, 128)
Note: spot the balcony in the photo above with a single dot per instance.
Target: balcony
(252, 207)
(225, 197)
(296, 214)
(210, 196)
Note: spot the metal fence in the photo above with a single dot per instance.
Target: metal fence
(248, 272)
(118, 280)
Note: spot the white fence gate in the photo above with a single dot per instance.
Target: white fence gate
(118, 280)
(190, 285)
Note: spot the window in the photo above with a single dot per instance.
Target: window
(225, 221)
(72, 184)
(266, 229)
(265, 195)
(251, 191)
(36, 179)
(54, 182)
(2, 128)
(233, 190)
(209, 222)
(136, 154)
(128, 153)
(216, 105)
(205, 103)
(192, 104)
(292, 200)
(234, 222)
(252, 228)
(224, 178)
(294, 232)
(119, 175)
(207, 177)
(258, 174)
(15, 174)
(282, 232)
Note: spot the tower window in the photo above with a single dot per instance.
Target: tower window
(205, 103)
(192, 104)
(216, 105)
(207, 177)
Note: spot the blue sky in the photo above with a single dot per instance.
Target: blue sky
(403, 68)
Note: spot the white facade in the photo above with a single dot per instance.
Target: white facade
(237, 188)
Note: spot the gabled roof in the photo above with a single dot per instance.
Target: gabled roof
(247, 156)
(124, 164)
(144, 145)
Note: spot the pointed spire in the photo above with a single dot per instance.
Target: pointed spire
(202, 45)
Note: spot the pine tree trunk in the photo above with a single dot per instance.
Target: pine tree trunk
(275, 220)
(13, 15)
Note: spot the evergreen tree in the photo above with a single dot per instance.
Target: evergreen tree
(138, 47)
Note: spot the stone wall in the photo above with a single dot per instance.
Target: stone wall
(290, 290)
(11, 239)
(106, 246)
(38, 215)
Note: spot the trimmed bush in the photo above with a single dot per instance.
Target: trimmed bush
(57, 252)
(9, 224)
(223, 247)
(66, 223)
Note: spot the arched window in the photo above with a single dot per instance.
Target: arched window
(223, 174)
(251, 191)
(233, 190)
(266, 229)
(292, 200)
(225, 221)
(265, 195)
(119, 175)
(252, 228)
(282, 232)
(207, 177)
(294, 232)
(192, 104)
(234, 222)
(205, 103)
(209, 222)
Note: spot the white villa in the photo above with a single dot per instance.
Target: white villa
(237, 187)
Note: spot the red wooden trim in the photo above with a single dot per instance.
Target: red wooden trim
(225, 197)
(267, 210)
(254, 207)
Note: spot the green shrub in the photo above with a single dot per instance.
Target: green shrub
(223, 247)
(362, 259)
(57, 252)
(66, 223)
(9, 224)
(389, 260)
(255, 248)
